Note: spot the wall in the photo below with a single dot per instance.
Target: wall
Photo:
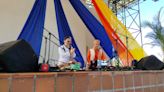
(13, 14)
(111, 81)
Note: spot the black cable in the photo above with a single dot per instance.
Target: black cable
(52, 42)
(53, 35)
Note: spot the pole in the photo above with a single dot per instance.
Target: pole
(45, 50)
(49, 48)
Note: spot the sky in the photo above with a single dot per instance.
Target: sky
(148, 10)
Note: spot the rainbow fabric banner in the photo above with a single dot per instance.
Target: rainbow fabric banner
(127, 47)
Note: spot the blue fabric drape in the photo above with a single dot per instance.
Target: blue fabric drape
(64, 30)
(96, 29)
(32, 31)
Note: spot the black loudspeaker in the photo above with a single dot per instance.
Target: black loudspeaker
(18, 56)
(150, 63)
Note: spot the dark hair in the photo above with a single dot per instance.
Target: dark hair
(66, 37)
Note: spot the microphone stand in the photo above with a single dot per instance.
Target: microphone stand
(49, 47)
(116, 55)
(45, 66)
(45, 51)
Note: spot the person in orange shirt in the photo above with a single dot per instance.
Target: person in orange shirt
(94, 54)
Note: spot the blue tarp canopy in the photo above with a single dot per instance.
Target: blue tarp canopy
(32, 31)
(94, 26)
(64, 29)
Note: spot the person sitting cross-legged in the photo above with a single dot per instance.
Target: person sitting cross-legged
(66, 54)
(94, 54)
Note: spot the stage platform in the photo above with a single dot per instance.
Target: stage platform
(85, 81)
